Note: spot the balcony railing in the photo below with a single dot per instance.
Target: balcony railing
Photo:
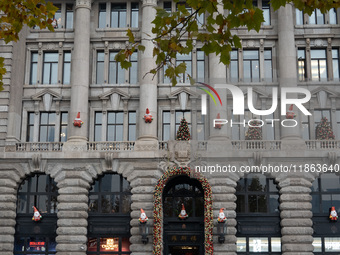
(256, 145)
(39, 146)
(110, 146)
(164, 145)
(322, 144)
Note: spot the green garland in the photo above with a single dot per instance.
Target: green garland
(158, 209)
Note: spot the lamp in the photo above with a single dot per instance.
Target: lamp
(221, 226)
(144, 231)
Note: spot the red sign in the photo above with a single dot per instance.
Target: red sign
(37, 244)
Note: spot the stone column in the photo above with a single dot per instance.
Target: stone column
(296, 215)
(287, 66)
(8, 186)
(143, 182)
(148, 86)
(80, 72)
(72, 212)
(16, 89)
(224, 197)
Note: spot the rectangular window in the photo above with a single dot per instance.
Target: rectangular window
(251, 70)
(299, 17)
(268, 68)
(67, 68)
(266, 13)
(134, 14)
(118, 15)
(200, 66)
(63, 127)
(319, 114)
(332, 244)
(102, 15)
(258, 244)
(98, 122)
(233, 66)
(34, 68)
(319, 64)
(69, 16)
(333, 20)
(167, 6)
(47, 127)
(200, 127)
(100, 68)
(188, 61)
(166, 125)
(317, 18)
(133, 72)
(338, 124)
(270, 129)
(57, 17)
(335, 62)
(179, 116)
(132, 126)
(116, 73)
(30, 127)
(115, 126)
(305, 127)
(50, 68)
(302, 65)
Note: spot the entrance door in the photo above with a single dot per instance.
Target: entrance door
(183, 237)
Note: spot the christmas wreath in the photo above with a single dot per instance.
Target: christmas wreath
(158, 209)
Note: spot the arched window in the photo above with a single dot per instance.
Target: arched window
(109, 216)
(325, 195)
(183, 236)
(258, 217)
(36, 237)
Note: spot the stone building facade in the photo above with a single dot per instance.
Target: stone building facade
(90, 182)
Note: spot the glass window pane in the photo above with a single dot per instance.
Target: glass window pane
(258, 244)
(255, 71)
(276, 244)
(119, 118)
(330, 183)
(246, 71)
(69, 16)
(320, 17)
(119, 133)
(266, 13)
(241, 244)
(133, 73)
(332, 244)
(240, 203)
(299, 17)
(332, 16)
(102, 16)
(273, 204)
(317, 244)
(312, 18)
(256, 182)
(134, 14)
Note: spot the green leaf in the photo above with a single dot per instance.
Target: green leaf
(130, 35)
(125, 64)
(141, 47)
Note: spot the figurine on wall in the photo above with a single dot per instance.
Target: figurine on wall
(290, 114)
(183, 215)
(148, 117)
(221, 216)
(77, 121)
(143, 218)
(333, 216)
(36, 215)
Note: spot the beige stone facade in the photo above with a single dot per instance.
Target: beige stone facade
(287, 54)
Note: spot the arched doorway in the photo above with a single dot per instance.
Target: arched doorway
(183, 236)
(158, 233)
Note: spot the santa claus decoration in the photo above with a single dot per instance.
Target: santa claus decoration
(148, 117)
(183, 215)
(333, 216)
(217, 125)
(221, 216)
(143, 218)
(290, 114)
(77, 121)
(36, 215)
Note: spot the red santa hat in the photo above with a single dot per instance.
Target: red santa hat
(140, 218)
(35, 209)
(147, 111)
(78, 116)
(221, 210)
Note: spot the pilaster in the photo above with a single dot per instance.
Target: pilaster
(223, 189)
(72, 211)
(80, 71)
(143, 182)
(296, 215)
(148, 85)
